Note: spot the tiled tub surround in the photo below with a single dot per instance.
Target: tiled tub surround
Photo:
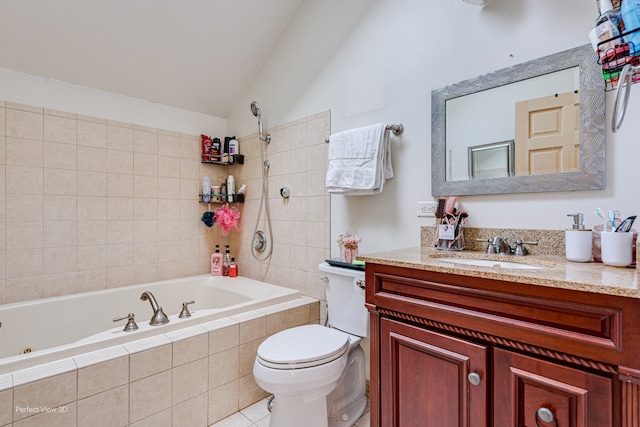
(192, 377)
(88, 203)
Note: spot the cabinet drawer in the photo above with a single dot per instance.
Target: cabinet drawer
(574, 397)
(490, 307)
(424, 376)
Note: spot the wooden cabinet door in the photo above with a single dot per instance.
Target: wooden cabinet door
(424, 379)
(524, 384)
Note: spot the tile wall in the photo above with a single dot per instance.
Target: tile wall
(89, 204)
(298, 157)
(191, 377)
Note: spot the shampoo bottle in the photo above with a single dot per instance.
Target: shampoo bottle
(234, 147)
(206, 189)
(216, 262)
(226, 261)
(231, 188)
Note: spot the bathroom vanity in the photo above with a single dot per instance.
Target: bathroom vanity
(456, 344)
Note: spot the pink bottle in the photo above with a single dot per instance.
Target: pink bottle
(216, 262)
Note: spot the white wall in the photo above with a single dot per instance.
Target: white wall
(385, 70)
(62, 96)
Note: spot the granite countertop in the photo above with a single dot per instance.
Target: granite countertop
(557, 271)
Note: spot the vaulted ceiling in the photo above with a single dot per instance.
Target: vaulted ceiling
(198, 55)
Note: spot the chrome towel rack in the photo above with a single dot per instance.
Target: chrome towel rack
(396, 128)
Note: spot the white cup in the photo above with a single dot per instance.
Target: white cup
(616, 248)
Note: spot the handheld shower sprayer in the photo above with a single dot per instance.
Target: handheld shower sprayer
(262, 245)
(255, 109)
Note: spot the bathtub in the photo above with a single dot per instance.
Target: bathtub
(41, 331)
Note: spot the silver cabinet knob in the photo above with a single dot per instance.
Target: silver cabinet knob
(545, 415)
(474, 378)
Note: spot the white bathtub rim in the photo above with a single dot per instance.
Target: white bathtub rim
(145, 336)
(104, 354)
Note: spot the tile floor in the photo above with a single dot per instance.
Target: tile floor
(257, 415)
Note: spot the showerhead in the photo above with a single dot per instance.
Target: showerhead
(255, 108)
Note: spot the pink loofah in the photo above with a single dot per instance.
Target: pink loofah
(227, 218)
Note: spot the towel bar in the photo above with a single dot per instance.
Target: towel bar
(396, 128)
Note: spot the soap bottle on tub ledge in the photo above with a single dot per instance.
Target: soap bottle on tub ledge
(216, 262)
(226, 261)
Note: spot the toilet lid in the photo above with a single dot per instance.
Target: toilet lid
(302, 347)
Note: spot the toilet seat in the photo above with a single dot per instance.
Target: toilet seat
(303, 347)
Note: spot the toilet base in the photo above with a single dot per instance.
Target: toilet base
(341, 407)
(296, 411)
(350, 415)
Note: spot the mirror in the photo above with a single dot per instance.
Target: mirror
(533, 127)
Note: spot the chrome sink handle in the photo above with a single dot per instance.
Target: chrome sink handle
(521, 250)
(490, 249)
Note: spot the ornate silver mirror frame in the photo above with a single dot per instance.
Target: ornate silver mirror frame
(591, 175)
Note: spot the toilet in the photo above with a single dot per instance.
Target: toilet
(317, 373)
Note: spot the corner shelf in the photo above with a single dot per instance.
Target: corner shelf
(240, 198)
(223, 159)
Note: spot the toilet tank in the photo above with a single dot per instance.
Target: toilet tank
(345, 300)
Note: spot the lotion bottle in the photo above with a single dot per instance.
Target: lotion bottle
(216, 262)
(578, 240)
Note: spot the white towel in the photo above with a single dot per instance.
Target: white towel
(359, 161)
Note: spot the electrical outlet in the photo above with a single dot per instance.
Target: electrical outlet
(427, 208)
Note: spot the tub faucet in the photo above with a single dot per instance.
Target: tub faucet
(158, 318)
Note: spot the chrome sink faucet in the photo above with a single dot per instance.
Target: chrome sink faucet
(500, 245)
(158, 318)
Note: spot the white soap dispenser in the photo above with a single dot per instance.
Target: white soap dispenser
(578, 240)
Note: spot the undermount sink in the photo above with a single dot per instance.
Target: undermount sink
(491, 263)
